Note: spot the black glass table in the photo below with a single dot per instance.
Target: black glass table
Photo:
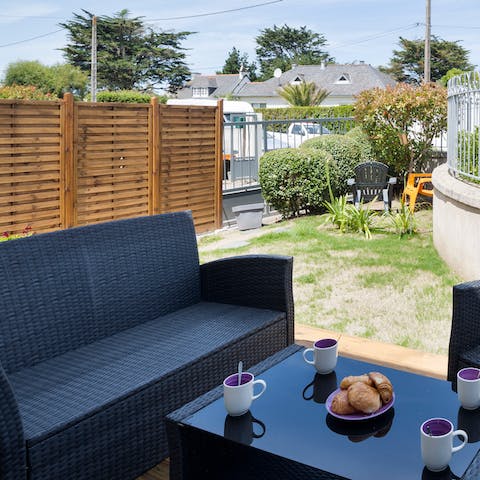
(289, 434)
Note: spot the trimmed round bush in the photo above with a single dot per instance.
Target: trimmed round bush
(361, 137)
(294, 180)
(346, 153)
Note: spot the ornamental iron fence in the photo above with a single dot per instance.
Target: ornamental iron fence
(464, 126)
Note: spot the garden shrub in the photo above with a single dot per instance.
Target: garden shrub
(346, 153)
(366, 149)
(402, 121)
(25, 92)
(127, 96)
(294, 179)
(27, 232)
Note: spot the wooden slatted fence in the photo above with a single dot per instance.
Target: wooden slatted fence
(69, 163)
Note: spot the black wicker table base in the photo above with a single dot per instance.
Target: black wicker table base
(288, 433)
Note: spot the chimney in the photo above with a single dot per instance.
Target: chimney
(241, 73)
(294, 66)
(322, 65)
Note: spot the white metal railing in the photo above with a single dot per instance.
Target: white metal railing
(246, 139)
(464, 125)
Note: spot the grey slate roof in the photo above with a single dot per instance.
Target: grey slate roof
(223, 84)
(362, 77)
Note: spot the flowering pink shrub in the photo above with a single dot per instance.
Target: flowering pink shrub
(12, 236)
(25, 92)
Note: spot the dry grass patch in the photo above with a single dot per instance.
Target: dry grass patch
(391, 289)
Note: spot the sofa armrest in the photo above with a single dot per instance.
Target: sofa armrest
(261, 281)
(13, 460)
(465, 331)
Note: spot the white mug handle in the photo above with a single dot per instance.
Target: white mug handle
(463, 434)
(311, 362)
(264, 387)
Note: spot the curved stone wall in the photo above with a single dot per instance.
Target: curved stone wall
(456, 223)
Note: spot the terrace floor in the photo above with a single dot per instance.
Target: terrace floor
(392, 356)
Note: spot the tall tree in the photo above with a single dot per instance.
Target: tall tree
(129, 54)
(280, 47)
(304, 94)
(407, 63)
(237, 61)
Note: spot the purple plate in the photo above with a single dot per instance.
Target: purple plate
(357, 416)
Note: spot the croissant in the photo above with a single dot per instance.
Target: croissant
(363, 397)
(383, 385)
(340, 404)
(347, 381)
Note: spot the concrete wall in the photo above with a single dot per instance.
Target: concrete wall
(456, 223)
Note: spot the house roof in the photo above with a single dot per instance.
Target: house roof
(223, 84)
(340, 80)
(357, 77)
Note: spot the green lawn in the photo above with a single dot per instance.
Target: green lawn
(392, 289)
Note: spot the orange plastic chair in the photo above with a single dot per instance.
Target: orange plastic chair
(416, 185)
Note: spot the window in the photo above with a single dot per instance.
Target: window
(344, 78)
(296, 80)
(200, 92)
(259, 105)
(313, 129)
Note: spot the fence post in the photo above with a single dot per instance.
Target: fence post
(68, 167)
(218, 163)
(154, 157)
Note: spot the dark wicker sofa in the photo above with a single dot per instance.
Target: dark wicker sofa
(464, 348)
(104, 329)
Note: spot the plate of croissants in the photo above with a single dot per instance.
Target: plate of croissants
(361, 397)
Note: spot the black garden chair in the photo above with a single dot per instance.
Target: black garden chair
(371, 181)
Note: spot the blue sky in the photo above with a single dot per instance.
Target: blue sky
(355, 30)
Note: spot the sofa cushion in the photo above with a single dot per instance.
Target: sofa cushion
(62, 391)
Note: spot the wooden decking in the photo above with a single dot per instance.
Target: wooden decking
(392, 356)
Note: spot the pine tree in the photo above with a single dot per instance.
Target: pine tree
(129, 54)
(237, 61)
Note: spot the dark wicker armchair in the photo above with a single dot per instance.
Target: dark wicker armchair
(464, 349)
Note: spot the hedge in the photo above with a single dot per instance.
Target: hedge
(338, 119)
(127, 96)
(294, 180)
(295, 113)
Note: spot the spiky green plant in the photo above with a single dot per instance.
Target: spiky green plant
(403, 220)
(303, 94)
(337, 212)
(360, 219)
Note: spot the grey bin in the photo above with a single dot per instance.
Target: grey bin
(248, 216)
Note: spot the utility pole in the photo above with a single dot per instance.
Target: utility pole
(426, 75)
(93, 68)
